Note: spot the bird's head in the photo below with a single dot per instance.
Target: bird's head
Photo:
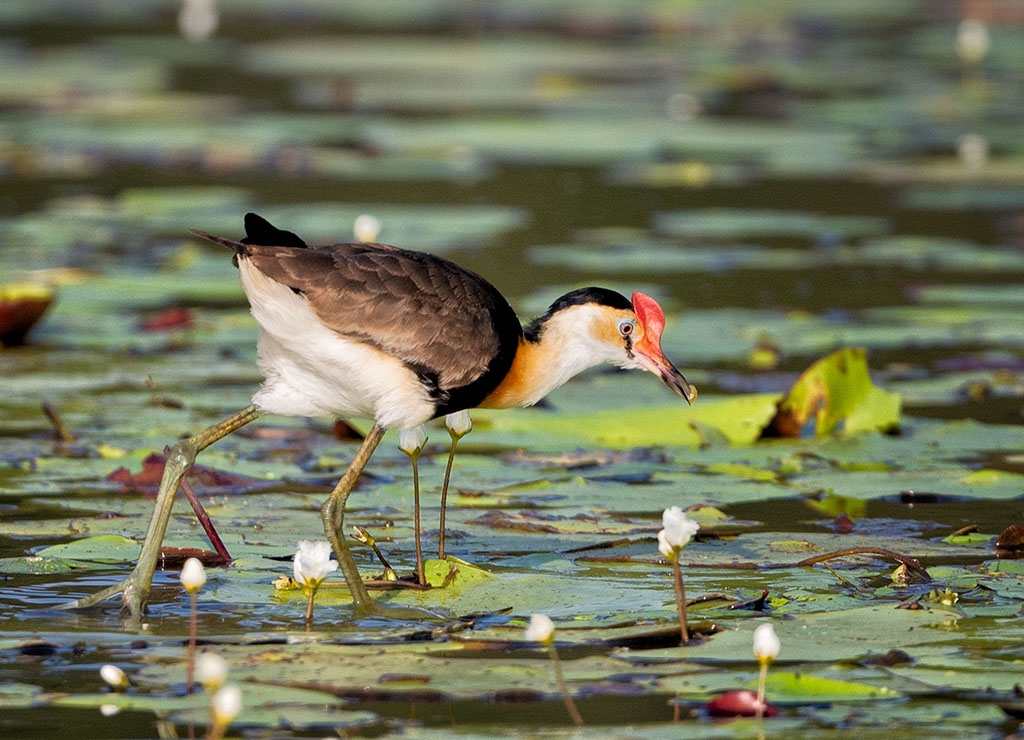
(594, 325)
(643, 338)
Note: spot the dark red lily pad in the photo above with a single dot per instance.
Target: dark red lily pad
(739, 703)
(205, 480)
(169, 319)
(173, 558)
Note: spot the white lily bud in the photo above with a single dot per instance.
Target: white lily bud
(226, 705)
(766, 643)
(114, 677)
(412, 441)
(211, 671)
(193, 575)
(459, 424)
(540, 629)
(198, 19)
(366, 228)
(972, 41)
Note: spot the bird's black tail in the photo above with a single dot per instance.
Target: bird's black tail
(258, 232)
(263, 233)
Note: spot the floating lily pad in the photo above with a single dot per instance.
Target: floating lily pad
(747, 224)
(103, 548)
(793, 688)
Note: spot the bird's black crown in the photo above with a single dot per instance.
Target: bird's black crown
(578, 297)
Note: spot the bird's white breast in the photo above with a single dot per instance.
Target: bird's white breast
(310, 370)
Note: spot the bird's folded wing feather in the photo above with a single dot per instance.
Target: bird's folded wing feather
(432, 314)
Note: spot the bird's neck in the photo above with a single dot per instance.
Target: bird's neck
(545, 360)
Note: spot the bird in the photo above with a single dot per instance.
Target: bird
(400, 337)
(366, 228)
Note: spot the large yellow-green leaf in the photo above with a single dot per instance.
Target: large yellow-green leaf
(738, 419)
(836, 394)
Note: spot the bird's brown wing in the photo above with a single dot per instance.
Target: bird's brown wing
(448, 324)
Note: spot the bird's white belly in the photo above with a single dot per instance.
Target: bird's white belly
(310, 370)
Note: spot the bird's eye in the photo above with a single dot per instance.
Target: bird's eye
(626, 327)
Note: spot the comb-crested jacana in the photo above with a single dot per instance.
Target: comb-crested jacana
(400, 337)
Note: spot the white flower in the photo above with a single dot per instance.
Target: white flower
(766, 643)
(211, 671)
(678, 529)
(226, 705)
(973, 151)
(411, 441)
(458, 424)
(114, 676)
(972, 41)
(193, 575)
(366, 228)
(313, 562)
(198, 19)
(541, 628)
(664, 547)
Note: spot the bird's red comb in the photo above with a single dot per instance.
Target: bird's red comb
(650, 315)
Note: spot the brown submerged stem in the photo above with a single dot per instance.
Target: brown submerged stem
(59, 428)
(910, 563)
(204, 520)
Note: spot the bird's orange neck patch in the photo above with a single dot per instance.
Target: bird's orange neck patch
(518, 387)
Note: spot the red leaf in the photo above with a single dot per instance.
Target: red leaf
(169, 319)
(205, 480)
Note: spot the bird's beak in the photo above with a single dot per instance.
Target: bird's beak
(654, 360)
(648, 348)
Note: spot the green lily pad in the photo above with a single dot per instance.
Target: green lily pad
(740, 419)
(102, 548)
(796, 688)
(746, 224)
(837, 393)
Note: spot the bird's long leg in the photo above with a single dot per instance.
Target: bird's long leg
(180, 459)
(333, 514)
(458, 426)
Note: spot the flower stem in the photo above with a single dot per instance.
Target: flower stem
(677, 577)
(190, 667)
(444, 493)
(216, 731)
(760, 689)
(570, 705)
(311, 593)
